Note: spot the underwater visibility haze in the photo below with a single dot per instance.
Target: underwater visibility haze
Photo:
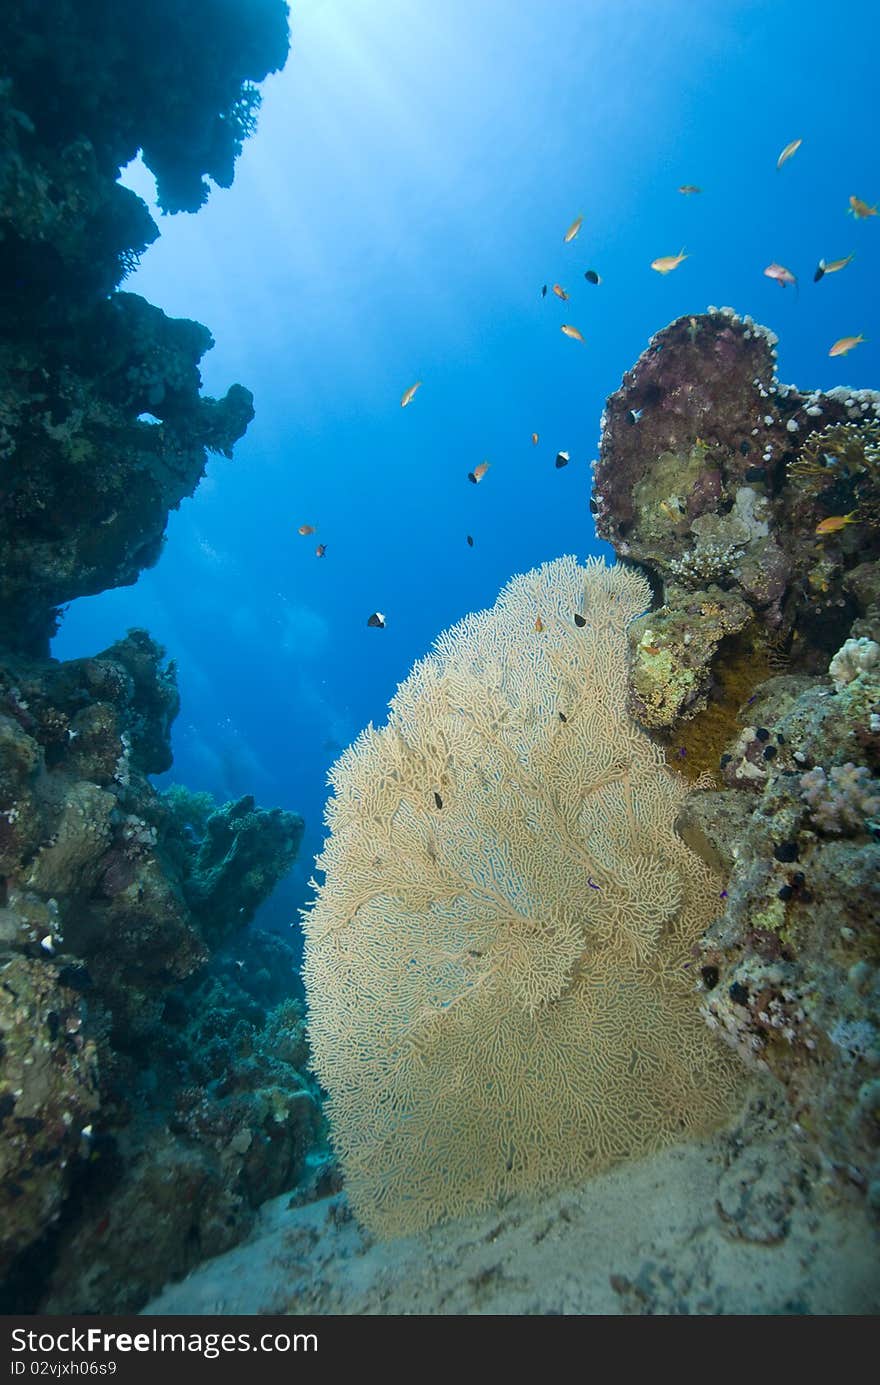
(560, 323)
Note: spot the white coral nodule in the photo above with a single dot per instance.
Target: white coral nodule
(497, 962)
(853, 658)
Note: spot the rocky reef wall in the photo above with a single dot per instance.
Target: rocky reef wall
(152, 1058)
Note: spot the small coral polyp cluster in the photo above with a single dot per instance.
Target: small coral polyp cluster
(761, 664)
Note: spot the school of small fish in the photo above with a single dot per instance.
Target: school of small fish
(663, 265)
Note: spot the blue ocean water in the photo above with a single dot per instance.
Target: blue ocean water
(394, 219)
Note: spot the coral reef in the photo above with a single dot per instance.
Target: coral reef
(754, 509)
(114, 910)
(152, 1054)
(496, 964)
(239, 1120)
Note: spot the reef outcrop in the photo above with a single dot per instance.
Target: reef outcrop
(754, 508)
(731, 489)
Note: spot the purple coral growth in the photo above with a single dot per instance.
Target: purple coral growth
(841, 800)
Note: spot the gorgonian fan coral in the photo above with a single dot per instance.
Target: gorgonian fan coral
(497, 962)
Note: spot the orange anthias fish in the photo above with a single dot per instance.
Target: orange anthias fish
(835, 523)
(410, 394)
(860, 209)
(560, 292)
(534, 439)
(845, 344)
(320, 550)
(667, 263)
(305, 529)
(571, 332)
(782, 275)
(478, 473)
(688, 189)
(831, 266)
(788, 151)
(573, 229)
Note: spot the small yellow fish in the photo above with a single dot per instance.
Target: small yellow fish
(782, 275)
(788, 151)
(835, 523)
(573, 229)
(667, 263)
(669, 512)
(860, 209)
(688, 189)
(560, 292)
(845, 344)
(831, 266)
(305, 529)
(478, 473)
(534, 439)
(539, 625)
(571, 332)
(410, 394)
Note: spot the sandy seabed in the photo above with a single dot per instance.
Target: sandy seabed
(745, 1221)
